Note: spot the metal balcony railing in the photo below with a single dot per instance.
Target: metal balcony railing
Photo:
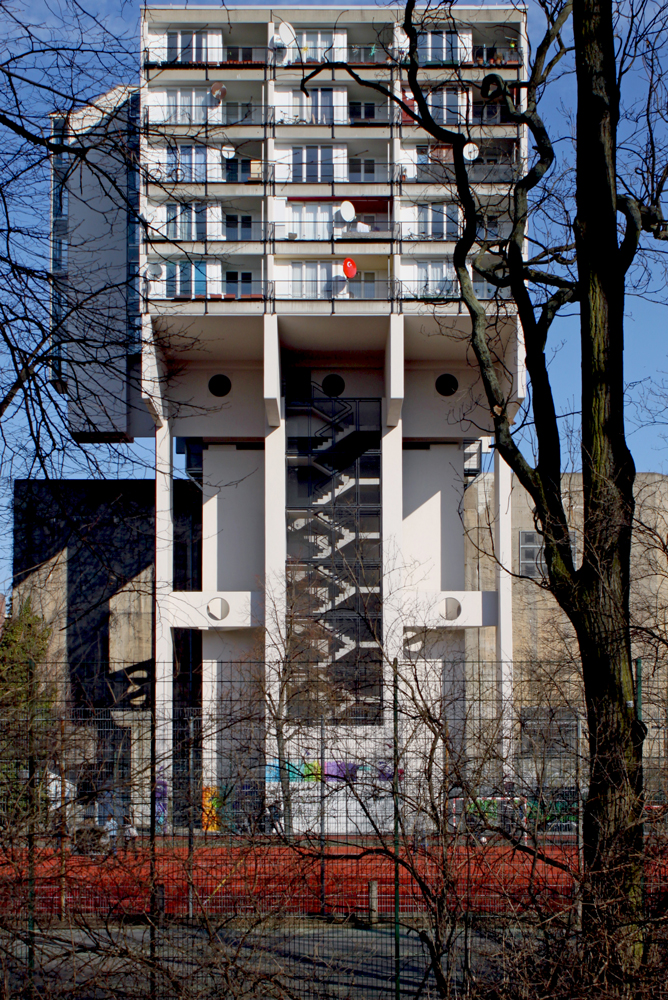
(248, 289)
(258, 55)
(227, 171)
(295, 231)
(447, 290)
(356, 113)
(337, 287)
(435, 229)
(497, 55)
(357, 172)
(199, 232)
(188, 114)
(503, 172)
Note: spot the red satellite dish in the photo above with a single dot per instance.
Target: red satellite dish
(349, 267)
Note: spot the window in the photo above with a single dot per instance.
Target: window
(359, 169)
(532, 561)
(363, 285)
(317, 108)
(438, 47)
(184, 278)
(237, 171)
(361, 111)
(238, 284)
(238, 227)
(186, 222)
(444, 106)
(186, 46)
(438, 221)
(311, 279)
(187, 107)
(436, 279)
(312, 164)
(312, 47)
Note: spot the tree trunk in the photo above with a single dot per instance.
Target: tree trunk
(599, 608)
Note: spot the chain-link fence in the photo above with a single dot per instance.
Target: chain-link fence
(248, 847)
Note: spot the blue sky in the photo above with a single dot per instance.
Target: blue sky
(646, 322)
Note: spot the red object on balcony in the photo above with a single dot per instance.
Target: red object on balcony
(349, 267)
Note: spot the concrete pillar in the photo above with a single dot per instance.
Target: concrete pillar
(275, 597)
(392, 490)
(164, 532)
(503, 542)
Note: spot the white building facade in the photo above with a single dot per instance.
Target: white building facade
(329, 423)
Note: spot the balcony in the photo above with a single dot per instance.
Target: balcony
(447, 290)
(205, 113)
(362, 54)
(436, 229)
(336, 288)
(358, 172)
(357, 114)
(296, 231)
(497, 55)
(233, 171)
(230, 232)
(244, 288)
(504, 172)
(199, 57)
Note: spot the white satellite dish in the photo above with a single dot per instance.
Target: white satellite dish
(471, 151)
(218, 91)
(228, 152)
(286, 33)
(154, 271)
(347, 211)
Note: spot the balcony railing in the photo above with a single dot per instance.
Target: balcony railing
(335, 288)
(497, 55)
(445, 230)
(227, 172)
(296, 231)
(242, 232)
(357, 113)
(248, 290)
(231, 113)
(235, 55)
(447, 290)
(357, 172)
(444, 173)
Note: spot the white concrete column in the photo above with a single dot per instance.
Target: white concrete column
(164, 562)
(275, 596)
(394, 370)
(209, 533)
(272, 371)
(503, 542)
(392, 490)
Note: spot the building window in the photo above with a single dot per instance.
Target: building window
(312, 164)
(438, 47)
(438, 221)
(186, 46)
(532, 560)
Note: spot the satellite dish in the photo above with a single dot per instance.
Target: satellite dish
(228, 152)
(286, 33)
(218, 91)
(471, 151)
(154, 271)
(347, 211)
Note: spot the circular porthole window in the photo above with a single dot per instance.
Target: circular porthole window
(333, 385)
(219, 385)
(446, 385)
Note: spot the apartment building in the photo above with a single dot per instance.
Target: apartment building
(293, 329)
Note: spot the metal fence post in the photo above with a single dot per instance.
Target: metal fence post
(322, 817)
(395, 797)
(32, 797)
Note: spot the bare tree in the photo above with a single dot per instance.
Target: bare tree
(574, 239)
